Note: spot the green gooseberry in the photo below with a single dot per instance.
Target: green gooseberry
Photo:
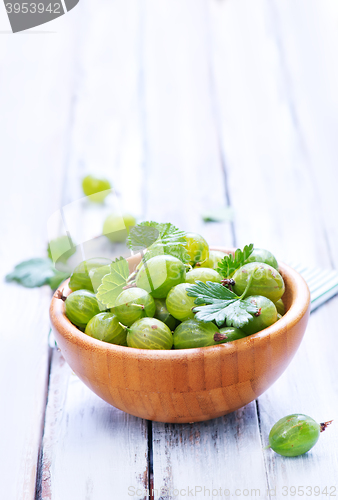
(262, 255)
(106, 327)
(133, 304)
(96, 189)
(179, 304)
(229, 334)
(61, 249)
(116, 227)
(149, 333)
(194, 333)
(202, 274)
(89, 273)
(197, 248)
(81, 306)
(295, 434)
(164, 315)
(215, 257)
(266, 315)
(280, 307)
(264, 280)
(159, 274)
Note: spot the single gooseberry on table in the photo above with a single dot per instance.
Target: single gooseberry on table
(96, 189)
(295, 434)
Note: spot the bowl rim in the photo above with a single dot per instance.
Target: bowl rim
(71, 333)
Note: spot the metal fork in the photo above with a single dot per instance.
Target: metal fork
(323, 283)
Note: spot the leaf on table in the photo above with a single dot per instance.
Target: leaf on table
(224, 214)
(114, 282)
(229, 264)
(158, 239)
(37, 272)
(217, 303)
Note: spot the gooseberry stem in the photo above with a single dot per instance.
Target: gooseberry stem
(323, 425)
(132, 284)
(266, 447)
(131, 276)
(59, 295)
(220, 336)
(123, 326)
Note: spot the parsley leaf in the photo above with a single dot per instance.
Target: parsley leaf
(222, 304)
(37, 272)
(158, 239)
(113, 283)
(227, 267)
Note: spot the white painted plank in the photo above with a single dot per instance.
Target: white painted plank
(262, 145)
(184, 168)
(185, 178)
(90, 449)
(34, 102)
(278, 206)
(313, 77)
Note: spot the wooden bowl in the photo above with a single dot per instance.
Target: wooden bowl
(187, 385)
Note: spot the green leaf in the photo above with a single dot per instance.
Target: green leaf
(159, 239)
(229, 265)
(224, 214)
(142, 237)
(221, 304)
(37, 272)
(114, 282)
(210, 292)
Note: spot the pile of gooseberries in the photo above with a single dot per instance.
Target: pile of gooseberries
(156, 312)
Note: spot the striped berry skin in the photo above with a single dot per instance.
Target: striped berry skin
(163, 314)
(266, 315)
(294, 435)
(89, 273)
(194, 333)
(159, 274)
(106, 327)
(149, 333)
(215, 256)
(179, 304)
(265, 280)
(197, 248)
(202, 274)
(80, 307)
(133, 304)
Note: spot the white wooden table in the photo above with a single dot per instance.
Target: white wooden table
(187, 105)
